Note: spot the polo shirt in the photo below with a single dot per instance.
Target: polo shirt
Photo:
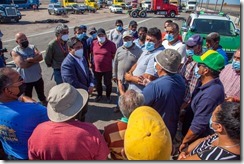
(223, 53)
(116, 37)
(166, 95)
(205, 99)
(145, 64)
(103, 55)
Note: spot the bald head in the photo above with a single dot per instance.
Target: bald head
(21, 40)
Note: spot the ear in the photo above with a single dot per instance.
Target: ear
(220, 128)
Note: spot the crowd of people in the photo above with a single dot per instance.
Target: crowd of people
(177, 98)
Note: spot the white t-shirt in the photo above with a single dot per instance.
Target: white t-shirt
(178, 46)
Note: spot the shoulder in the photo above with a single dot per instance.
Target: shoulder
(52, 42)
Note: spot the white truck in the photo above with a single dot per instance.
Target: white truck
(191, 5)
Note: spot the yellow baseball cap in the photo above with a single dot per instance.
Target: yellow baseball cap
(146, 136)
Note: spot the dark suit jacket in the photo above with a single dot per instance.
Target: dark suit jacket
(73, 74)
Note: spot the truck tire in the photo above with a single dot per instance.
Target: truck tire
(134, 14)
(143, 14)
(172, 14)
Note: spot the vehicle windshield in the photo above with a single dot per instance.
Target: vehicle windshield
(192, 3)
(120, 0)
(75, 5)
(57, 6)
(205, 26)
(91, 0)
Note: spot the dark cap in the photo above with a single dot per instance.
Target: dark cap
(132, 23)
(194, 40)
(101, 31)
(92, 29)
(213, 36)
(1, 34)
(83, 27)
(72, 41)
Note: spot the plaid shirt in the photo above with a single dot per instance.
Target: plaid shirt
(187, 71)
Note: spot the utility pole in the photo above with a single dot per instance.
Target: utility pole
(221, 5)
(216, 5)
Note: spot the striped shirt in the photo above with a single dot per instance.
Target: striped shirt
(231, 81)
(114, 136)
(206, 151)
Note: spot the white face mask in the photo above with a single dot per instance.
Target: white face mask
(101, 39)
(65, 37)
(79, 53)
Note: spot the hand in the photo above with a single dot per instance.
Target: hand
(90, 90)
(90, 65)
(232, 99)
(183, 146)
(182, 155)
(115, 79)
(143, 81)
(27, 99)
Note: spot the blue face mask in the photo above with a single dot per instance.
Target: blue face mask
(236, 65)
(189, 52)
(169, 37)
(196, 74)
(81, 36)
(210, 123)
(94, 35)
(119, 28)
(150, 46)
(128, 44)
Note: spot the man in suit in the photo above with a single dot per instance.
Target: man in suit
(75, 71)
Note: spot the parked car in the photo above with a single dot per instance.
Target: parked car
(87, 8)
(55, 9)
(74, 9)
(115, 9)
(128, 6)
(204, 23)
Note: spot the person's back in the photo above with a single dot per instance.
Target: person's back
(70, 140)
(17, 121)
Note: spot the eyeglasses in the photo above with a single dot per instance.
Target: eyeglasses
(201, 64)
(190, 47)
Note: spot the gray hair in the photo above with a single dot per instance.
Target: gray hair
(60, 28)
(4, 79)
(130, 101)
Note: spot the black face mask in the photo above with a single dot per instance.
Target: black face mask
(142, 38)
(25, 44)
(22, 88)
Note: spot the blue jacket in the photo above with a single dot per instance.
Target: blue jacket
(73, 74)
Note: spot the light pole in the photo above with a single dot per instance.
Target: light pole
(216, 5)
(221, 5)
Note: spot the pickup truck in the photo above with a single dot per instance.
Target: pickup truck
(74, 9)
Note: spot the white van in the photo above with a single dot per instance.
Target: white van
(191, 5)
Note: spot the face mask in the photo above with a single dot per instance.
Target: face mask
(81, 36)
(210, 124)
(150, 46)
(142, 38)
(128, 44)
(196, 74)
(169, 37)
(79, 53)
(65, 37)
(101, 39)
(94, 35)
(204, 50)
(236, 65)
(22, 88)
(119, 28)
(189, 52)
(132, 32)
(25, 44)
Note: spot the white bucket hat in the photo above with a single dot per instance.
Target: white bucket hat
(65, 102)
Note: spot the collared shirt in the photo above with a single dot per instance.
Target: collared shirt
(145, 64)
(116, 37)
(205, 99)
(178, 46)
(103, 55)
(124, 59)
(137, 42)
(223, 53)
(80, 62)
(231, 81)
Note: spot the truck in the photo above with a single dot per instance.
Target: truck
(26, 4)
(191, 6)
(9, 12)
(119, 3)
(174, 2)
(158, 7)
(65, 3)
(91, 3)
(146, 4)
